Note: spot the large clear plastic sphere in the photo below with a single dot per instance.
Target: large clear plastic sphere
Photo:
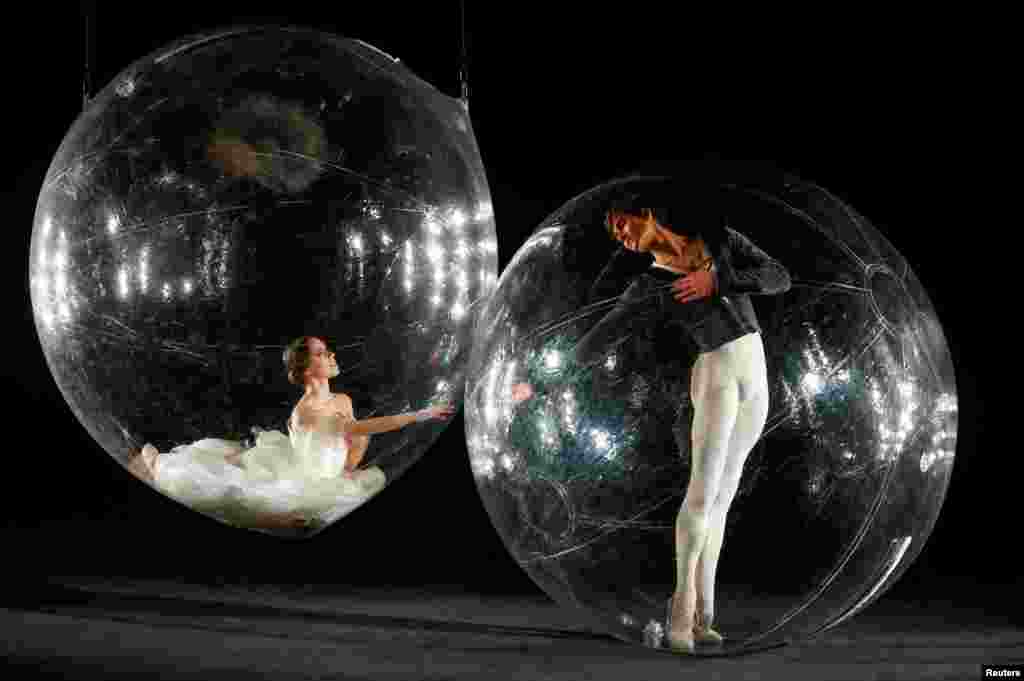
(583, 474)
(236, 190)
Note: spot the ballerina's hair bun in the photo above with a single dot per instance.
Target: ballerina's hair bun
(296, 359)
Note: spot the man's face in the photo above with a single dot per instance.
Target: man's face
(634, 232)
(321, 360)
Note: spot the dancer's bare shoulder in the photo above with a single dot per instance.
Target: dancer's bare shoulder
(310, 413)
(307, 413)
(342, 403)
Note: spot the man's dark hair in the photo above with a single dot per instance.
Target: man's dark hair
(685, 209)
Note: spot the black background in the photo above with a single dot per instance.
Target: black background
(880, 110)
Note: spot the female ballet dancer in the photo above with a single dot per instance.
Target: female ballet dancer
(700, 284)
(311, 475)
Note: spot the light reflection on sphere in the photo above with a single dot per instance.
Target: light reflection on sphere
(583, 480)
(234, 191)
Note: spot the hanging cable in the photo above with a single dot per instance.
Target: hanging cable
(464, 58)
(87, 11)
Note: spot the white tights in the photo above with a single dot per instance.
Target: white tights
(729, 388)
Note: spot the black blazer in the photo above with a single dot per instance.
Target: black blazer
(743, 270)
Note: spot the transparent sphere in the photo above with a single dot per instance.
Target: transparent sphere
(234, 191)
(583, 466)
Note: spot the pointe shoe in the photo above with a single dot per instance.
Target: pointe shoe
(678, 641)
(149, 454)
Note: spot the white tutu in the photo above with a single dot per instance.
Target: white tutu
(301, 474)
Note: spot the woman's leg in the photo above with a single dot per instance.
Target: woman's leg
(715, 393)
(235, 457)
(144, 463)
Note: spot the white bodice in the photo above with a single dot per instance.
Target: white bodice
(318, 454)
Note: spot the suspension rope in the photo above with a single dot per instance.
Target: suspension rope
(87, 12)
(464, 58)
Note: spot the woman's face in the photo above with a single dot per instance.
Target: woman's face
(635, 232)
(322, 364)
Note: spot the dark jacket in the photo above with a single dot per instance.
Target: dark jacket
(743, 270)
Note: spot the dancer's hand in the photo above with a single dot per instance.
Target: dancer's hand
(694, 286)
(439, 412)
(521, 391)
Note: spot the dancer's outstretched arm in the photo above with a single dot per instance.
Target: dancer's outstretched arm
(633, 306)
(346, 425)
(383, 424)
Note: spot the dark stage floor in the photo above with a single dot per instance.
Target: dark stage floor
(91, 627)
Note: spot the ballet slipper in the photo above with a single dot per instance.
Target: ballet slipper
(678, 641)
(707, 635)
(703, 633)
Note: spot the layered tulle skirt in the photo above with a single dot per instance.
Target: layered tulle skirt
(273, 478)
